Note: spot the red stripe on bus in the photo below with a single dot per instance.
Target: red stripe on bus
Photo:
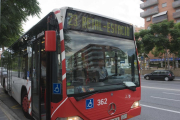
(64, 91)
(62, 46)
(29, 103)
(60, 26)
(63, 66)
(56, 12)
(30, 100)
(136, 51)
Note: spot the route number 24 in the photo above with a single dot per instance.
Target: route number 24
(102, 101)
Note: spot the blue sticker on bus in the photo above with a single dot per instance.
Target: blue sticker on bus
(27, 73)
(89, 103)
(56, 88)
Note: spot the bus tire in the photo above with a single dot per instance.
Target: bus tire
(25, 104)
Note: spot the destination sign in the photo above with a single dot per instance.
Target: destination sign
(76, 20)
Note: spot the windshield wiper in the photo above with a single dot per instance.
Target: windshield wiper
(129, 85)
(87, 95)
(90, 94)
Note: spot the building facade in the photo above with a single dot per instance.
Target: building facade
(137, 29)
(158, 10)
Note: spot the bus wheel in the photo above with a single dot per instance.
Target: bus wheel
(25, 105)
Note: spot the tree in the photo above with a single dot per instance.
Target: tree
(158, 52)
(160, 34)
(176, 39)
(138, 43)
(144, 44)
(174, 47)
(162, 38)
(14, 12)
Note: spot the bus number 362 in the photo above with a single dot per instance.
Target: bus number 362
(102, 101)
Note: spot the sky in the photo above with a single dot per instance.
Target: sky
(124, 10)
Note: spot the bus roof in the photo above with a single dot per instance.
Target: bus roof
(63, 10)
(80, 10)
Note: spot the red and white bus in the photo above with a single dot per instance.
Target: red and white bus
(75, 65)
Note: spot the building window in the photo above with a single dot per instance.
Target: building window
(148, 19)
(164, 4)
(149, 28)
(178, 20)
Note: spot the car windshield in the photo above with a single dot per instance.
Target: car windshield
(98, 62)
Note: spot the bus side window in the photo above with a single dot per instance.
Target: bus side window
(22, 75)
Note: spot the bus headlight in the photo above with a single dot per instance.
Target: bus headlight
(70, 118)
(135, 104)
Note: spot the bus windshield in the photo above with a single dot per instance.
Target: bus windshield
(98, 62)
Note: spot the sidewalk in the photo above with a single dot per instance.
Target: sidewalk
(6, 113)
(177, 78)
(3, 116)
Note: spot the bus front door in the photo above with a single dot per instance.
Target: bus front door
(39, 80)
(36, 80)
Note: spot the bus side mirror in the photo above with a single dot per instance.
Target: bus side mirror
(50, 40)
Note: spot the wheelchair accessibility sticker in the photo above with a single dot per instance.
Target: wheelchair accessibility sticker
(56, 88)
(89, 103)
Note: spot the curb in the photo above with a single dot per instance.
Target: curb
(8, 112)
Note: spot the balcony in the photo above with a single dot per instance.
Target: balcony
(149, 12)
(176, 4)
(176, 14)
(148, 4)
(159, 17)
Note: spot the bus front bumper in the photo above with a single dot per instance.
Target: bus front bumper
(130, 114)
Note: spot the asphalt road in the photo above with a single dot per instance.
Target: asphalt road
(160, 100)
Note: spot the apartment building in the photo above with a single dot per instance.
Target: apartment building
(158, 10)
(137, 29)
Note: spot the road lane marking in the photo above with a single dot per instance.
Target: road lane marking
(160, 88)
(16, 107)
(164, 98)
(3, 95)
(160, 108)
(171, 93)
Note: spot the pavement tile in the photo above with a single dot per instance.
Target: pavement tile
(3, 115)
